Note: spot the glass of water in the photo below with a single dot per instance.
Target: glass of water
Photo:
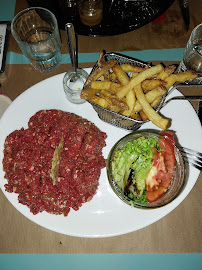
(36, 32)
(192, 57)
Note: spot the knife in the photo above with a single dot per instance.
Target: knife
(199, 111)
(184, 5)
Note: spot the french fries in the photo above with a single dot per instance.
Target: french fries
(114, 100)
(120, 74)
(101, 85)
(101, 70)
(130, 100)
(147, 73)
(149, 84)
(90, 92)
(131, 68)
(180, 77)
(153, 116)
(150, 97)
(166, 72)
(132, 91)
(103, 102)
(115, 87)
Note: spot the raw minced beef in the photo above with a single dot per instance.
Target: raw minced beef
(28, 155)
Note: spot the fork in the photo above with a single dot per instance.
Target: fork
(198, 98)
(191, 157)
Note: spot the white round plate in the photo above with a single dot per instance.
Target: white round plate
(105, 215)
(5, 101)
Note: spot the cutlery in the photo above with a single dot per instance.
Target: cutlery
(182, 98)
(75, 78)
(71, 43)
(192, 157)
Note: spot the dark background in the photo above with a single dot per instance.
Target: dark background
(121, 17)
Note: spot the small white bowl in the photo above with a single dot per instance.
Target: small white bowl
(73, 89)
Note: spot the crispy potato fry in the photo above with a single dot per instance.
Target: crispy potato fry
(131, 68)
(106, 93)
(101, 59)
(187, 75)
(108, 99)
(115, 87)
(99, 101)
(167, 71)
(101, 85)
(136, 116)
(149, 84)
(119, 103)
(180, 77)
(156, 101)
(134, 74)
(170, 81)
(100, 71)
(153, 116)
(114, 108)
(150, 96)
(112, 76)
(130, 100)
(143, 115)
(88, 93)
(138, 79)
(114, 100)
(120, 74)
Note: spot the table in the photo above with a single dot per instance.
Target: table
(175, 239)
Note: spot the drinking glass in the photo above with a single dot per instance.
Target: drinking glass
(36, 32)
(91, 12)
(192, 57)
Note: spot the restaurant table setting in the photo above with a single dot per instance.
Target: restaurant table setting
(50, 57)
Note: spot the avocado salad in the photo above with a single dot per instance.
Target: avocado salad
(131, 165)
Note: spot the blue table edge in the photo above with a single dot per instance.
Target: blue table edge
(144, 55)
(165, 261)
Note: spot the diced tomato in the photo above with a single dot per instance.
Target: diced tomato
(159, 162)
(165, 164)
(152, 196)
(169, 155)
(168, 135)
(153, 180)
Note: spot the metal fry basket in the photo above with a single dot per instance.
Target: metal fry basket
(114, 118)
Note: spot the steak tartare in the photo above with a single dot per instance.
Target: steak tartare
(28, 162)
